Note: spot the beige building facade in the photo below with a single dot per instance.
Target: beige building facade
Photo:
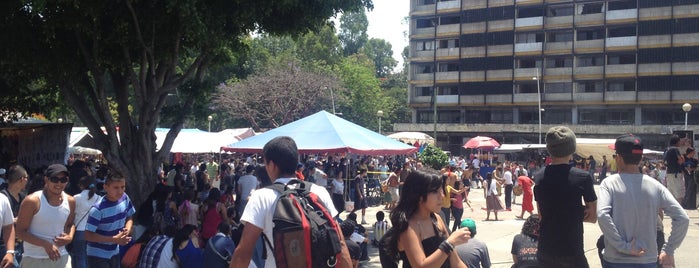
(602, 67)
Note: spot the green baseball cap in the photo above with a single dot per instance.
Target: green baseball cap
(470, 224)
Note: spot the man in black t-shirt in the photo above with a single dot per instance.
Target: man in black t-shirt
(559, 190)
(347, 228)
(674, 160)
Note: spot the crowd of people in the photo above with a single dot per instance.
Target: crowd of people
(205, 214)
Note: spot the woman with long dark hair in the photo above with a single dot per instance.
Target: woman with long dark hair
(525, 244)
(420, 237)
(185, 247)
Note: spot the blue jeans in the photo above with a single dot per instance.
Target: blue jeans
(19, 249)
(78, 254)
(96, 262)
(606, 264)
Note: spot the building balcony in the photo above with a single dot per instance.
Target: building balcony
(686, 39)
(564, 71)
(472, 52)
(498, 98)
(558, 97)
(525, 73)
(533, 22)
(621, 70)
(621, 15)
(421, 99)
(654, 69)
(559, 22)
(472, 76)
(588, 96)
(447, 76)
(500, 25)
(423, 55)
(596, 45)
(558, 47)
(423, 77)
(526, 98)
(423, 31)
(624, 41)
(500, 50)
(589, 19)
(684, 95)
(474, 27)
(654, 95)
(528, 47)
(449, 29)
(472, 99)
(447, 99)
(620, 96)
(448, 52)
(686, 11)
(498, 75)
(421, 9)
(588, 72)
(654, 41)
(656, 12)
(685, 68)
(445, 5)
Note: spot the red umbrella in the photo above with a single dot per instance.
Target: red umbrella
(481, 142)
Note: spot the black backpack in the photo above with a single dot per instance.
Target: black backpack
(304, 231)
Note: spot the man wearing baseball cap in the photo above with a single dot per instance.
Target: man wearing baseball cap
(628, 212)
(475, 252)
(559, 192)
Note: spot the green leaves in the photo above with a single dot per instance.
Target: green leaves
(434, 157)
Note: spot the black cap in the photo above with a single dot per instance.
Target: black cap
(55, 169)
(628, 144)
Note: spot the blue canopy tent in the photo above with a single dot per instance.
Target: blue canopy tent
(323, 132)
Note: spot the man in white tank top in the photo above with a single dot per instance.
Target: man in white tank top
(45, 222)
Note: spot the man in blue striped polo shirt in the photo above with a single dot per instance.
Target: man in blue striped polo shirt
(109, 224)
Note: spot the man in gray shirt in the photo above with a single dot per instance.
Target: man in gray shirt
(474, 253)
(628, 205)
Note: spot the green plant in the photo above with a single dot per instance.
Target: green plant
(433, 157)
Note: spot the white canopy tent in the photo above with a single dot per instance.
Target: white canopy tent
(198, 141)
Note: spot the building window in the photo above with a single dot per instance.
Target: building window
(448, 90)
(590, 60)
(526, 87)
(622, 31)
(688, 25)
(472, 64)
(590, 34)
(621, 5)
(556, 116)
(424, 117)
(606, 116)
(553, 37)
(425, 23)
(423, 45)
(663, 116)
(449, 20)
(562, 10)
(424, 68)
(475, 15)
(566, 87)
(626, 58)
(529, 63)
(654, 27)
(423, 91)
(499, 63)
(590, 86)
(426, 2)
(501, 38)
(448, 67)
(654, 83)
(523, 38)
(621, 85)
(530, 12)
(654, 55)
(501, 117)
(448, 117)
(590, 8)
(449, 43)
(562, 62)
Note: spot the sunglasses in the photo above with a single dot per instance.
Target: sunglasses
(57, 179)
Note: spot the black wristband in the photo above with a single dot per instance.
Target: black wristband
(446, 247)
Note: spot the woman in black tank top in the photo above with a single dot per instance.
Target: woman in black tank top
(420, 237)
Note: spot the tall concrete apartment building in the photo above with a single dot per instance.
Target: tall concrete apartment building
(603, 68)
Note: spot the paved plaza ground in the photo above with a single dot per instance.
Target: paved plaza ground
(498, 234)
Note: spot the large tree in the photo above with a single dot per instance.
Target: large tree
(353, 28)
(135, 54)
(280, 94)
(381, 53)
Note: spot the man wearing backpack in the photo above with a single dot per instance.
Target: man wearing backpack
(281, 158)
